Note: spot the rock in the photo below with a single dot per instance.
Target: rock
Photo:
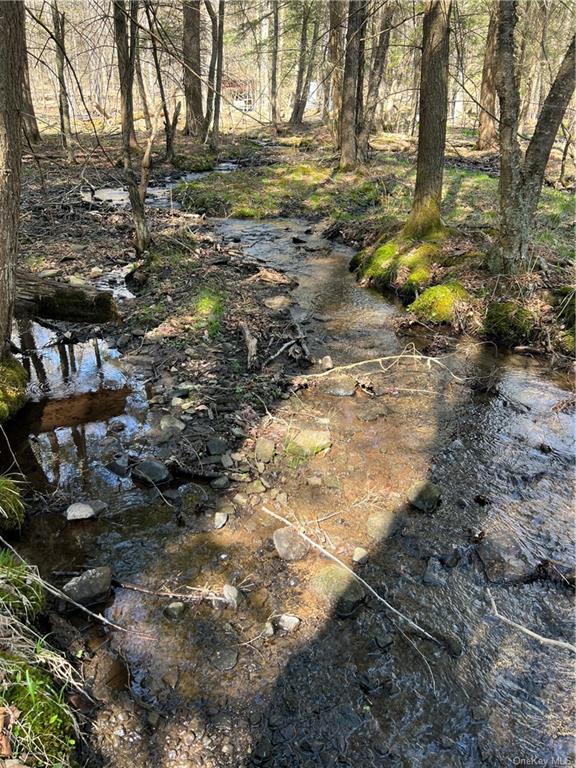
(315, 481)
(326, 363)
(96, 272)
(76, 281)
(151, 472)
(224, 659)
(287, 622)
(256, 486)
(220, 483)
(278, 303)
(170, 678)
(226, 461)
(216, 446)
(308, 442)
(120, 465)
(434, 574)
(268, 629)
(264, 450)
(503, 559)
(80, 511)
(170, 422)
(92, 586)
(425, 496)
(360, 555)
(220, 520)
(240, 499)
(139, 332)
(231, 594)
(381, 524)
(282, 498)
(341, 386)
(174, 610)
(123, 340)
(339, 589)
(289, 544)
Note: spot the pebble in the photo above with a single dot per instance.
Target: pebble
(288, 622)
(264, 450)
(151, 471)
(381, 524)
(289, 544)
(220, 520)
(80, 511)
(231, 595)
(90, 587)
(360, 555)
(220, 483)
(256, 486)
(174, 610)
(216, 446)
(424, 496)
(224, 659)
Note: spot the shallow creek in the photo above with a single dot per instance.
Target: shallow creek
(213, 687)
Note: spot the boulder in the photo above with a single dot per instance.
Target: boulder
(92, 586)
(424, 496)
(289, 544)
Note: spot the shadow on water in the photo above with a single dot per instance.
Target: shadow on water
(352, 686)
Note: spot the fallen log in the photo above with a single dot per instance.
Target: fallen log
(41, 297)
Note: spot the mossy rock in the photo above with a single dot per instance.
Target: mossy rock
(308, 442)
(508, 323)
(438, 303)
(11, 504)
(400, 265)
(20, 593)
(45, 728)
(13, 381)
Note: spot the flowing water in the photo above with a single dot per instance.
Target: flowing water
(354, 686)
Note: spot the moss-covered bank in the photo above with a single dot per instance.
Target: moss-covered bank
(13, 380)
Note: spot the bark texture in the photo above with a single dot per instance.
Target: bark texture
(215, 137)
(12, 52)
(192, 68)
(349, 110)
(301, 71)
(274, 6)
(59, 22)
(487, 125)
(337, 10)
(28, 114)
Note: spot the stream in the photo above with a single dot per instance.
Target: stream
(353, 685)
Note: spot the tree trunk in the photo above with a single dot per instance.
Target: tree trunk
(215, 137)
(168, 133)
(375, 80)
(301, 65)
(126, 52)
(39, 297)
(29, 121)
(211, 69)
(337, 9)
(487, 127)
(58, 21)
(424, 218)
(348, 123)
(192, 68)
(361, 65)
(141, 87)
(274, 64)
(12, 53)
(308, 77)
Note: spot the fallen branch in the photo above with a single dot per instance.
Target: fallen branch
(251, 346)
(282, 349)
(195, 594)
(529, 632)
(362, 581)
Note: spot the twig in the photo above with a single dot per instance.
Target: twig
(283, 348)
(251, 345)
(196, 593)
(529, 632)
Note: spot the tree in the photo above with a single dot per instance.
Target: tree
(211, 68)
(337, 11)
(425, 214)
(214, 138)
(12, 53)
(58, 22)
(300, 73)
(350, 101)
(29, 121)
(377, 69)
(487, 127)
(126, 42)
(301, 98)
(274, 5)
(521, 179)
(192, 68)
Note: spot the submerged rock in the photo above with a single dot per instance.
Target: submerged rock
(341, 386)
(424, 496)
(174, 610)
(92, 586)
(120, 465)
(151, 472)
(224, 659)
(289, 544)
(308, 442)
(80, 511)
(503, 559)
(339, 589)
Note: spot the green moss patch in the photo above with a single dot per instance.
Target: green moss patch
(20, 592)
(508, 323)
(400, 265)
(438, 304)
(11, 504)
(208, 308)
(13, 381)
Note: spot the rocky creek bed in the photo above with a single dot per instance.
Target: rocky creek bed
(176, 450)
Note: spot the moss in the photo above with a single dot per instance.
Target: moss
(424, 222)
(204, 161)
(400, 265)
(13, 381)
(11, 505)
(438, 303)
(208, 308)
(508, 323)
(45, 728)
(20, 592)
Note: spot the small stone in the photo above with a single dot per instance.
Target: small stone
(341, 386)
(120, 465)
(96, 272)
(308, 442)
(139, 332)
(76, 281)
(381, 524)
(178, 402)
(174, 610)
(226, 461)
(80, 511)
(268, 629)
(425, 496)
(326, 363)
(220, 483)
(315, 481)
(170, 678)
(331, 481)
(123, 340)
(282, 498)
(231, 595)
(287, 622)
(92, 586)
(264, 450)
(216, 446)
(289, 545)
(434, 574)
(256, 486)
(240, 499)
(360, 555)
(224, 659)
(220, 520)
(151, 472)
(170, 422)
(339, 589)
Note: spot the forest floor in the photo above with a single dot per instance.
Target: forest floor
(297, 667)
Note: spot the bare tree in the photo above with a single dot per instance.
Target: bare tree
(58, 22)
(350, 104)
(211, 68)
(141, 87)
(301, 100)
(12, 53)
(487, 128)
(126, 41)
(192, 68)
(424, 217)
(300, 73)
(337, 10)
(274, 5)
(215, 136)
(29, 121)
(521, 179)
